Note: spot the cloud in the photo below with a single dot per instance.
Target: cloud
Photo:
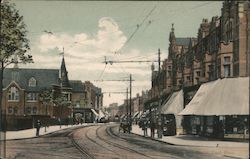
(109, 38)
(84, 55)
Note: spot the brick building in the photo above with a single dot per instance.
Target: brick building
(220, 50)
(22, 102)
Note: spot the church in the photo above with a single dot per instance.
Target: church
(22, 102)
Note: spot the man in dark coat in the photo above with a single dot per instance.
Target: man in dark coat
(38, 125)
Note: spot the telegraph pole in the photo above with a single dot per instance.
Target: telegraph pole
(130, 102)
(159, 122)
(127, 103)
(111, 62)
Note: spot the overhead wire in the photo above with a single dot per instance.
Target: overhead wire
(137, 28)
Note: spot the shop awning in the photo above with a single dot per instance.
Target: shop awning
(135, 115)
(174, 105)
(101, 114)
(228, 96)
(140, 114)
(96, 114)
(123, 115)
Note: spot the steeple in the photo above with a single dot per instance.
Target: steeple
(171, 35)
(64, 73)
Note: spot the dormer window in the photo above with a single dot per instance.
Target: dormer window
(32, 82)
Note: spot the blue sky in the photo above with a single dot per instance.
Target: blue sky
(88, 31)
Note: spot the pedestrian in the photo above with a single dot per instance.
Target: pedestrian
(152, 124)
(145, 127)
(38, 125)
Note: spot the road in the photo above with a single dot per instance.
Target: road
(101, 142)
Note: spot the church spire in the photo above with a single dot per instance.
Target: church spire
(64, 73)
(171, 35)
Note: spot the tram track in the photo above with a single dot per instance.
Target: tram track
(83, 152)
(118, 145)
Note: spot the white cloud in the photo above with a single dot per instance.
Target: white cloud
(85, 53)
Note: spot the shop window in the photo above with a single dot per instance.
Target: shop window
(13, 94)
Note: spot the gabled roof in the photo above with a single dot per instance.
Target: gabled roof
(44, 78)
(77, 86)
(182, 41)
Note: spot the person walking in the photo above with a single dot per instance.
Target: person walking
(38, 126)
(145, 127)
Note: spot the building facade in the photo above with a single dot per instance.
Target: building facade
(220, 50)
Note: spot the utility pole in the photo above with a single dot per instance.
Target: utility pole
(159, 122)
(127, 102)
(130, 102)
(111, 62)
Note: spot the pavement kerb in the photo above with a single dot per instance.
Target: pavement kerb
(155, 139)
(49, 133)
(230, 156)
(170, 143)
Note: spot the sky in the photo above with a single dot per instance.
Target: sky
(88, 31)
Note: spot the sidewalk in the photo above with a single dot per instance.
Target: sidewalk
(30, 133)
(227, 148)
(191, 140)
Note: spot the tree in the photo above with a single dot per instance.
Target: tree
(45, 98)
(13, 44)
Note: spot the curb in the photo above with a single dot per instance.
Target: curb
(33, 137)
(169, 143)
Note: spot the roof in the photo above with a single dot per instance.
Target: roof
(77, 86)
(182, 41)
(44, 78)
(228, 96)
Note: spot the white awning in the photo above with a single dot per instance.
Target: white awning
(101, 114)
(96, 114)
(140, 114)
(135, 114)
(174, 105)
(228, 96)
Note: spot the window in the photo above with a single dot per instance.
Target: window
(15, 110)
(34, 110)
(13, 94)
(28, 110)
(78, 104)
(227, 60)
(10, 110)
(227, 70)
(68, 96)
(198, 73)
(197, 80)
(32, 82)
(188, 78)
(32, 96)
